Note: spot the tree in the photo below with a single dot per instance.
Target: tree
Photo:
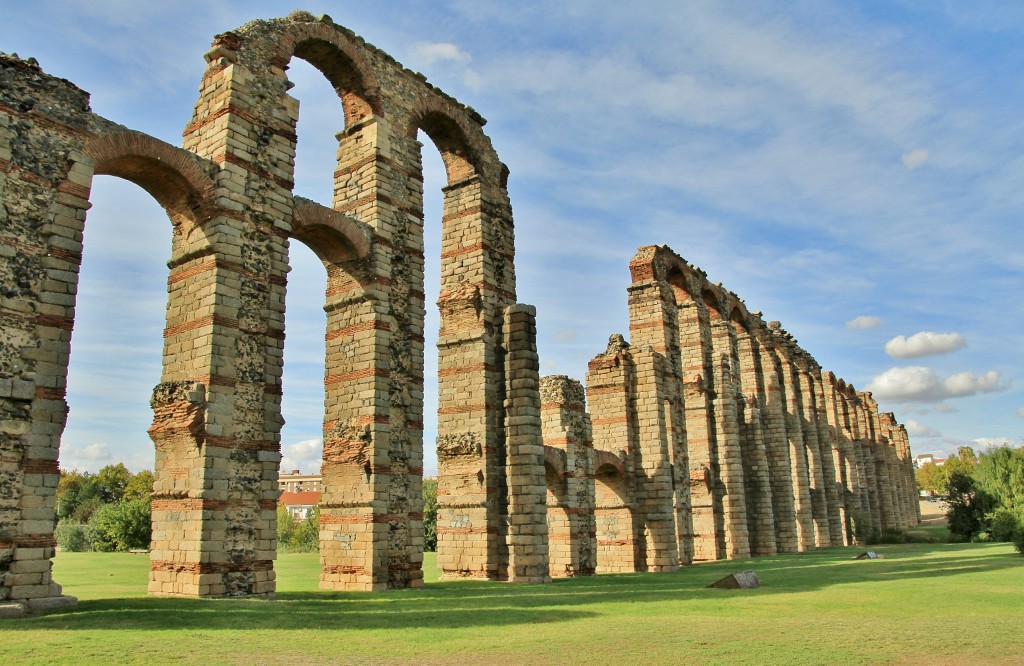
(430, 514)
(933, 478)
(111, 481)
(1000, 472)
(121, 527)
(140, 486)
(969, 508)
(75, 490)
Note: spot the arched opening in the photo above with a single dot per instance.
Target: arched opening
(117, 343)
(115, 339)
(561, 562)
(613, 513)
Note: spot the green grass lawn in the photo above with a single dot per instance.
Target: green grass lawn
(932, 603)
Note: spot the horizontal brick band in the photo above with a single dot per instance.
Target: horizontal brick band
(467, 409)
(200, 322)
(475, 210)
(29, 541)
(611, 420)
(235, 111)
(380, 160)
(38, 466)
(198, 504)
(56, 321)
(453, 531)
(211, 567)
(375, 325)
(242, 445)
(356, 374)
(344, 570)
(210, 264)
(465, 369)
(45, 393)
(69, 256)
(566, 406)
(74, 189)
(603, 389)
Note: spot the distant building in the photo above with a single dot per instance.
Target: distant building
(925, 458)
(294, 482)
(300, 493)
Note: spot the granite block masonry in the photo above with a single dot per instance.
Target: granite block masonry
(710, 434)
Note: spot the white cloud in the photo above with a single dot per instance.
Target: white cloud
(925, 343)
(919, 384)
(864, 322)
(565, 335)
(90, 457)
(305, 456)
(914, 159)
(918, 429)
(991, 443)
(1020, 412)
(432, 52)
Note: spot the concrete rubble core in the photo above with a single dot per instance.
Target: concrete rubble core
(709, 434)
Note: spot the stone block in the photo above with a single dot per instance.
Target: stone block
(741, 580)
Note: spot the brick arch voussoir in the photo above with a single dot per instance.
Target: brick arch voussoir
(179, 180)
(459, 139)
(333, 236)
(556, 458)
(608, 459)
(301, 34)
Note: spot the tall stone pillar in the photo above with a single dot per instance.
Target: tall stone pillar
(662, 484)
(610, 399)
(827, 444)
(841, 457)
(527, 503)
(701, 442)
(756, 471)
(797, 448)
(571, 527)
(777, 445)
(815, 463)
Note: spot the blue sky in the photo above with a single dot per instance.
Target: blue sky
(854, 170)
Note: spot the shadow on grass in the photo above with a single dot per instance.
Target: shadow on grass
(462, 604)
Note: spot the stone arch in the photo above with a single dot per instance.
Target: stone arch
(335, 238)
(177, 179)
(738, 319)
(713, 305)
(452, 135)
(333, 52)
(614, 516)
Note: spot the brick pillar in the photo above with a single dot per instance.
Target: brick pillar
(701, 446)
(663, 482)
(840, 458)
(214, 516)
(570, 501)
(44, 191)
(815, 462)
(610, 399)
(757, 478)
(777, 445)
(653, 476)
(797, 448)
(729, 426)
(827, 447)
(527, 488)
(867, 454)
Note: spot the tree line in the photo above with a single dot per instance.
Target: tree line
(984, 493)
(110, 510)
(104, 511)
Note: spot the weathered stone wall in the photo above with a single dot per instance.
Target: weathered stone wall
(711, 435)
(217, 420)
(778, 457)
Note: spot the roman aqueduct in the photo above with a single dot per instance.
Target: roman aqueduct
(709, 434)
